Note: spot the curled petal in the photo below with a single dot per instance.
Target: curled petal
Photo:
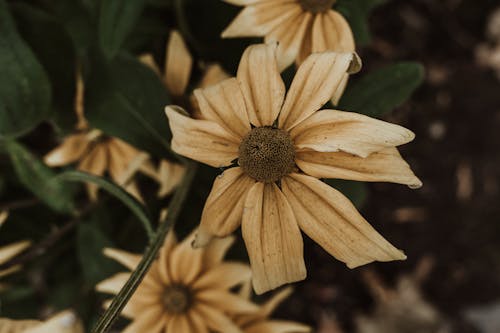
(333, 222)
(386, 165)
(272, 238)
(202, 140)
(354, 133)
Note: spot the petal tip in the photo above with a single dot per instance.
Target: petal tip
(355, 65)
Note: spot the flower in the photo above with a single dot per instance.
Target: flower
(274, 149)
(259, 321)
(185, 290)
(301, 27)
(64, 322)
(97, 153)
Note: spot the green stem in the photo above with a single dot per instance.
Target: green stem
(174, 209)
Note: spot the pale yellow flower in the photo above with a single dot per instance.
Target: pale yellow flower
(301, 27)
(274, 149)
(97, 153)
(185, 290)
(259, 321)
(64, 322)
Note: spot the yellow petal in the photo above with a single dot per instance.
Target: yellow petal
(178, 64)
(164, 258)
(386, 165)
(151, 320)
(224, 104)
(4, 214)
(224, 206)
(178, 323)
(333, 222)
(354, 133)
(94, 163)
(216, 319)
(202, 140)
(9, 251)
(16, 326)
(197, 322)
(260, 19)
(148, 60)
(340, 90)
(331, 32)
(272, 238)
(169, 176)
(261, 83)
(289, 36)
(223, 276)
(270, 305)
(216, 250)
(113, 284)
(70, 150)
(278, 326)
(315, 82)
(79, 100)
(185, 262)
(213, 74)
(64, 322)
(125, 258)
(226, 301)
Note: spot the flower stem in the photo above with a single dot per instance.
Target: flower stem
(174, 209)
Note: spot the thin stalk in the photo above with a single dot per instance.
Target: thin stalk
(174, 209)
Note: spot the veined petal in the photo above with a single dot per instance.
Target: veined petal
(278, 326)
(215, 319)
(261, 18)
(226, 301)
(331, 31)
(272, 238)
(223, 276)
(125, 258)
(178, 64)
(70, 150)
(354, 133)
(224, 206)
(289, 36)
(261, 83)
(202, 140)
(386, 165)
(315, 82)
(224, 104)
(332, 221)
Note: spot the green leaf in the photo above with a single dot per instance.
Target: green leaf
(127, 100)
(55, 50)
(24, 87)
(37, 177)
(116, 20)
(90, 244)
(356, 13)
(382, 90)
(135, 206)
(355, 191)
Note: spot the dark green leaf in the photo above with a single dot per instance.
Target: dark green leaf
(135, 206)
(38, 178)
(90, 244)
(116, 20)
(24, 86)
(383, 90)
(127, 100)
(54, 48)
(355, 191)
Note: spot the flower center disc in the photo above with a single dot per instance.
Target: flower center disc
(176, 299)
(316, 6)
(267, 154)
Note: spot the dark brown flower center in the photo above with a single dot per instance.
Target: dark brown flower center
(267, 154)
(316, 6)
(176, 299)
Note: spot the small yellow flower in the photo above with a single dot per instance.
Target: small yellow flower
(186, 289)
(301, 27)
(259, 321)
(64, 322)
(274, 149)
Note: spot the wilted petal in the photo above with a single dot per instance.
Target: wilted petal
(70, 150)
(354, 133)
(386, 165)
(178, 64)
(261, 84)
(332, 221)
(223, 276)
(272, 238)
(224, 206)
(224, 104)
(315, 82)
(262, 18)
(278, 326)
(202, 140)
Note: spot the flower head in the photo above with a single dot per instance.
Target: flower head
(274, 148)
(301, 27)
(185, 290)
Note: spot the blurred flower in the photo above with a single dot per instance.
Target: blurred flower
(274, 149)
(97, 153)
(301, 27)
(64, 322)
(259, 321)
(185, 290)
